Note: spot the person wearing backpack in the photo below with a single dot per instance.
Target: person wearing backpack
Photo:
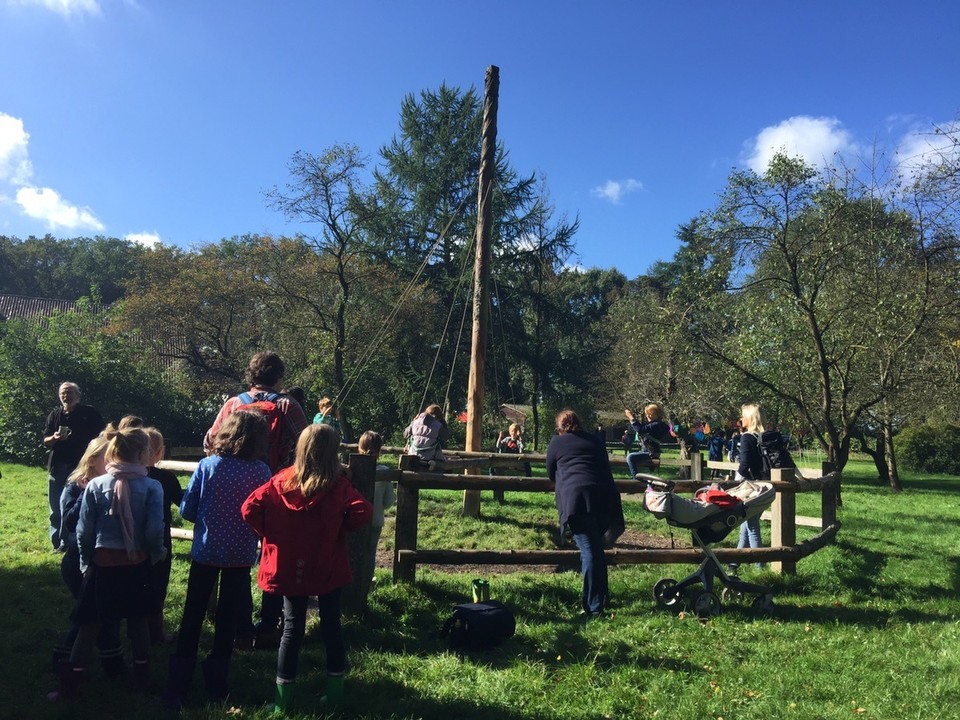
(285, 422)
(751, 467)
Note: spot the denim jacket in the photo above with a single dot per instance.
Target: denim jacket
(97, 528)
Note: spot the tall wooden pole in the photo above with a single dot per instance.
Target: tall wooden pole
(481, 277)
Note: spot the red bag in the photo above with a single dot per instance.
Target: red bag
(716, 496)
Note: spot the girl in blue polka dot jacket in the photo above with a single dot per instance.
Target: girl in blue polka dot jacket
(224, 548)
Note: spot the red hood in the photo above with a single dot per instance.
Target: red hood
(294, 499)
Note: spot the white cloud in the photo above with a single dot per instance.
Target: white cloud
(14, 161)
(816, 140)
(147, 239)
(47, 205)
(614, 190)
(44, 204)
(921, 150)
(67, 7)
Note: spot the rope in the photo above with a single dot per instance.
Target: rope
(382, 332)
(443, 335)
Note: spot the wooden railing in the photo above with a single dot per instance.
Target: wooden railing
(783, 553)
(411, 478)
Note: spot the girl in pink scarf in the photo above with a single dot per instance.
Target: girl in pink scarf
(119, 534)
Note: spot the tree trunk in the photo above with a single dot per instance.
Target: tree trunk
(878, 455)
(893, 478)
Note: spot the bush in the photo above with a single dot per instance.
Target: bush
(930, 448)
(35, 359)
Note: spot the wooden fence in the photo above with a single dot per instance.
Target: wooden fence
(783, 554)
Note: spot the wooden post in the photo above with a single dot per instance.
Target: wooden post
(481, 277)
(828, 500)
(363, 471)
(696, 466)
(783, 522)
(405, 538)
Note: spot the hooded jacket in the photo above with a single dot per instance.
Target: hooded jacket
(304, 540)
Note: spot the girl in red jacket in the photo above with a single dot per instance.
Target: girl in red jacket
(303, 516)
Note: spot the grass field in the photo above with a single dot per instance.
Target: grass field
(867, 628)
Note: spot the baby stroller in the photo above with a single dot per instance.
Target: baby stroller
(710, 516)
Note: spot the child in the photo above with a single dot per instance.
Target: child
(119, 535)
(715, 452)
(303, 516)
(426, 434)
(325, 415)
(172, 496)
(383, 496)
(224, 548)
(92, 464)
(650, 433)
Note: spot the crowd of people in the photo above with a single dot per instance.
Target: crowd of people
(271, 493)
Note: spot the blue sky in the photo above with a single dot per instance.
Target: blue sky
(168, 119)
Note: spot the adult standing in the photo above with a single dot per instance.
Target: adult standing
(264, 374)
(587, 501)
(754, 422)
(68, 431)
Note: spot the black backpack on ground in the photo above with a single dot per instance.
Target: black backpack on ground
(774, 452)
(479, 626)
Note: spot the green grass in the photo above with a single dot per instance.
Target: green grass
(867, 628)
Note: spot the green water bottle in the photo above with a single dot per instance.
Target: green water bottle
(481, 590)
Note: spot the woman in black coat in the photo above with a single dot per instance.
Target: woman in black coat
(587, 500)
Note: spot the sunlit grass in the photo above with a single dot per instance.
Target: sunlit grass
(867, 628)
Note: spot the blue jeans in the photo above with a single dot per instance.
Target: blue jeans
(56, 481)
(750, 535)
(593, 563)
(633, 461)
(294, 626)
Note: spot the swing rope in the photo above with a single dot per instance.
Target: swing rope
(388, 321)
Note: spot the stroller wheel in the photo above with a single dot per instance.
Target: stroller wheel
(664, 594)
(762, 605)
(730, 595)
(706, 604)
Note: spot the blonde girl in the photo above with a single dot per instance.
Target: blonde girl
(303, 516)
(92, 464)
(119, 536)
(383, 497)
(172, 495)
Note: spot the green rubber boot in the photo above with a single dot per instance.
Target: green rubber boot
(283, 699)
(334, 695)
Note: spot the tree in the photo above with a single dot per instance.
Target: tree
(69, 269)
(323, 193)
(530, 307)
(833, 288)
(204, 307)
(421, 214)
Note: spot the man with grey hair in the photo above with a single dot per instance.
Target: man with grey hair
(69, 429)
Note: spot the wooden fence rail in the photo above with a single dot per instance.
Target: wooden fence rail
(783, 555)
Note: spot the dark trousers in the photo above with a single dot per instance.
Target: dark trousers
(294, 626)
(161, 580)
(593, 563)
(108, 594)
(234, 585)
